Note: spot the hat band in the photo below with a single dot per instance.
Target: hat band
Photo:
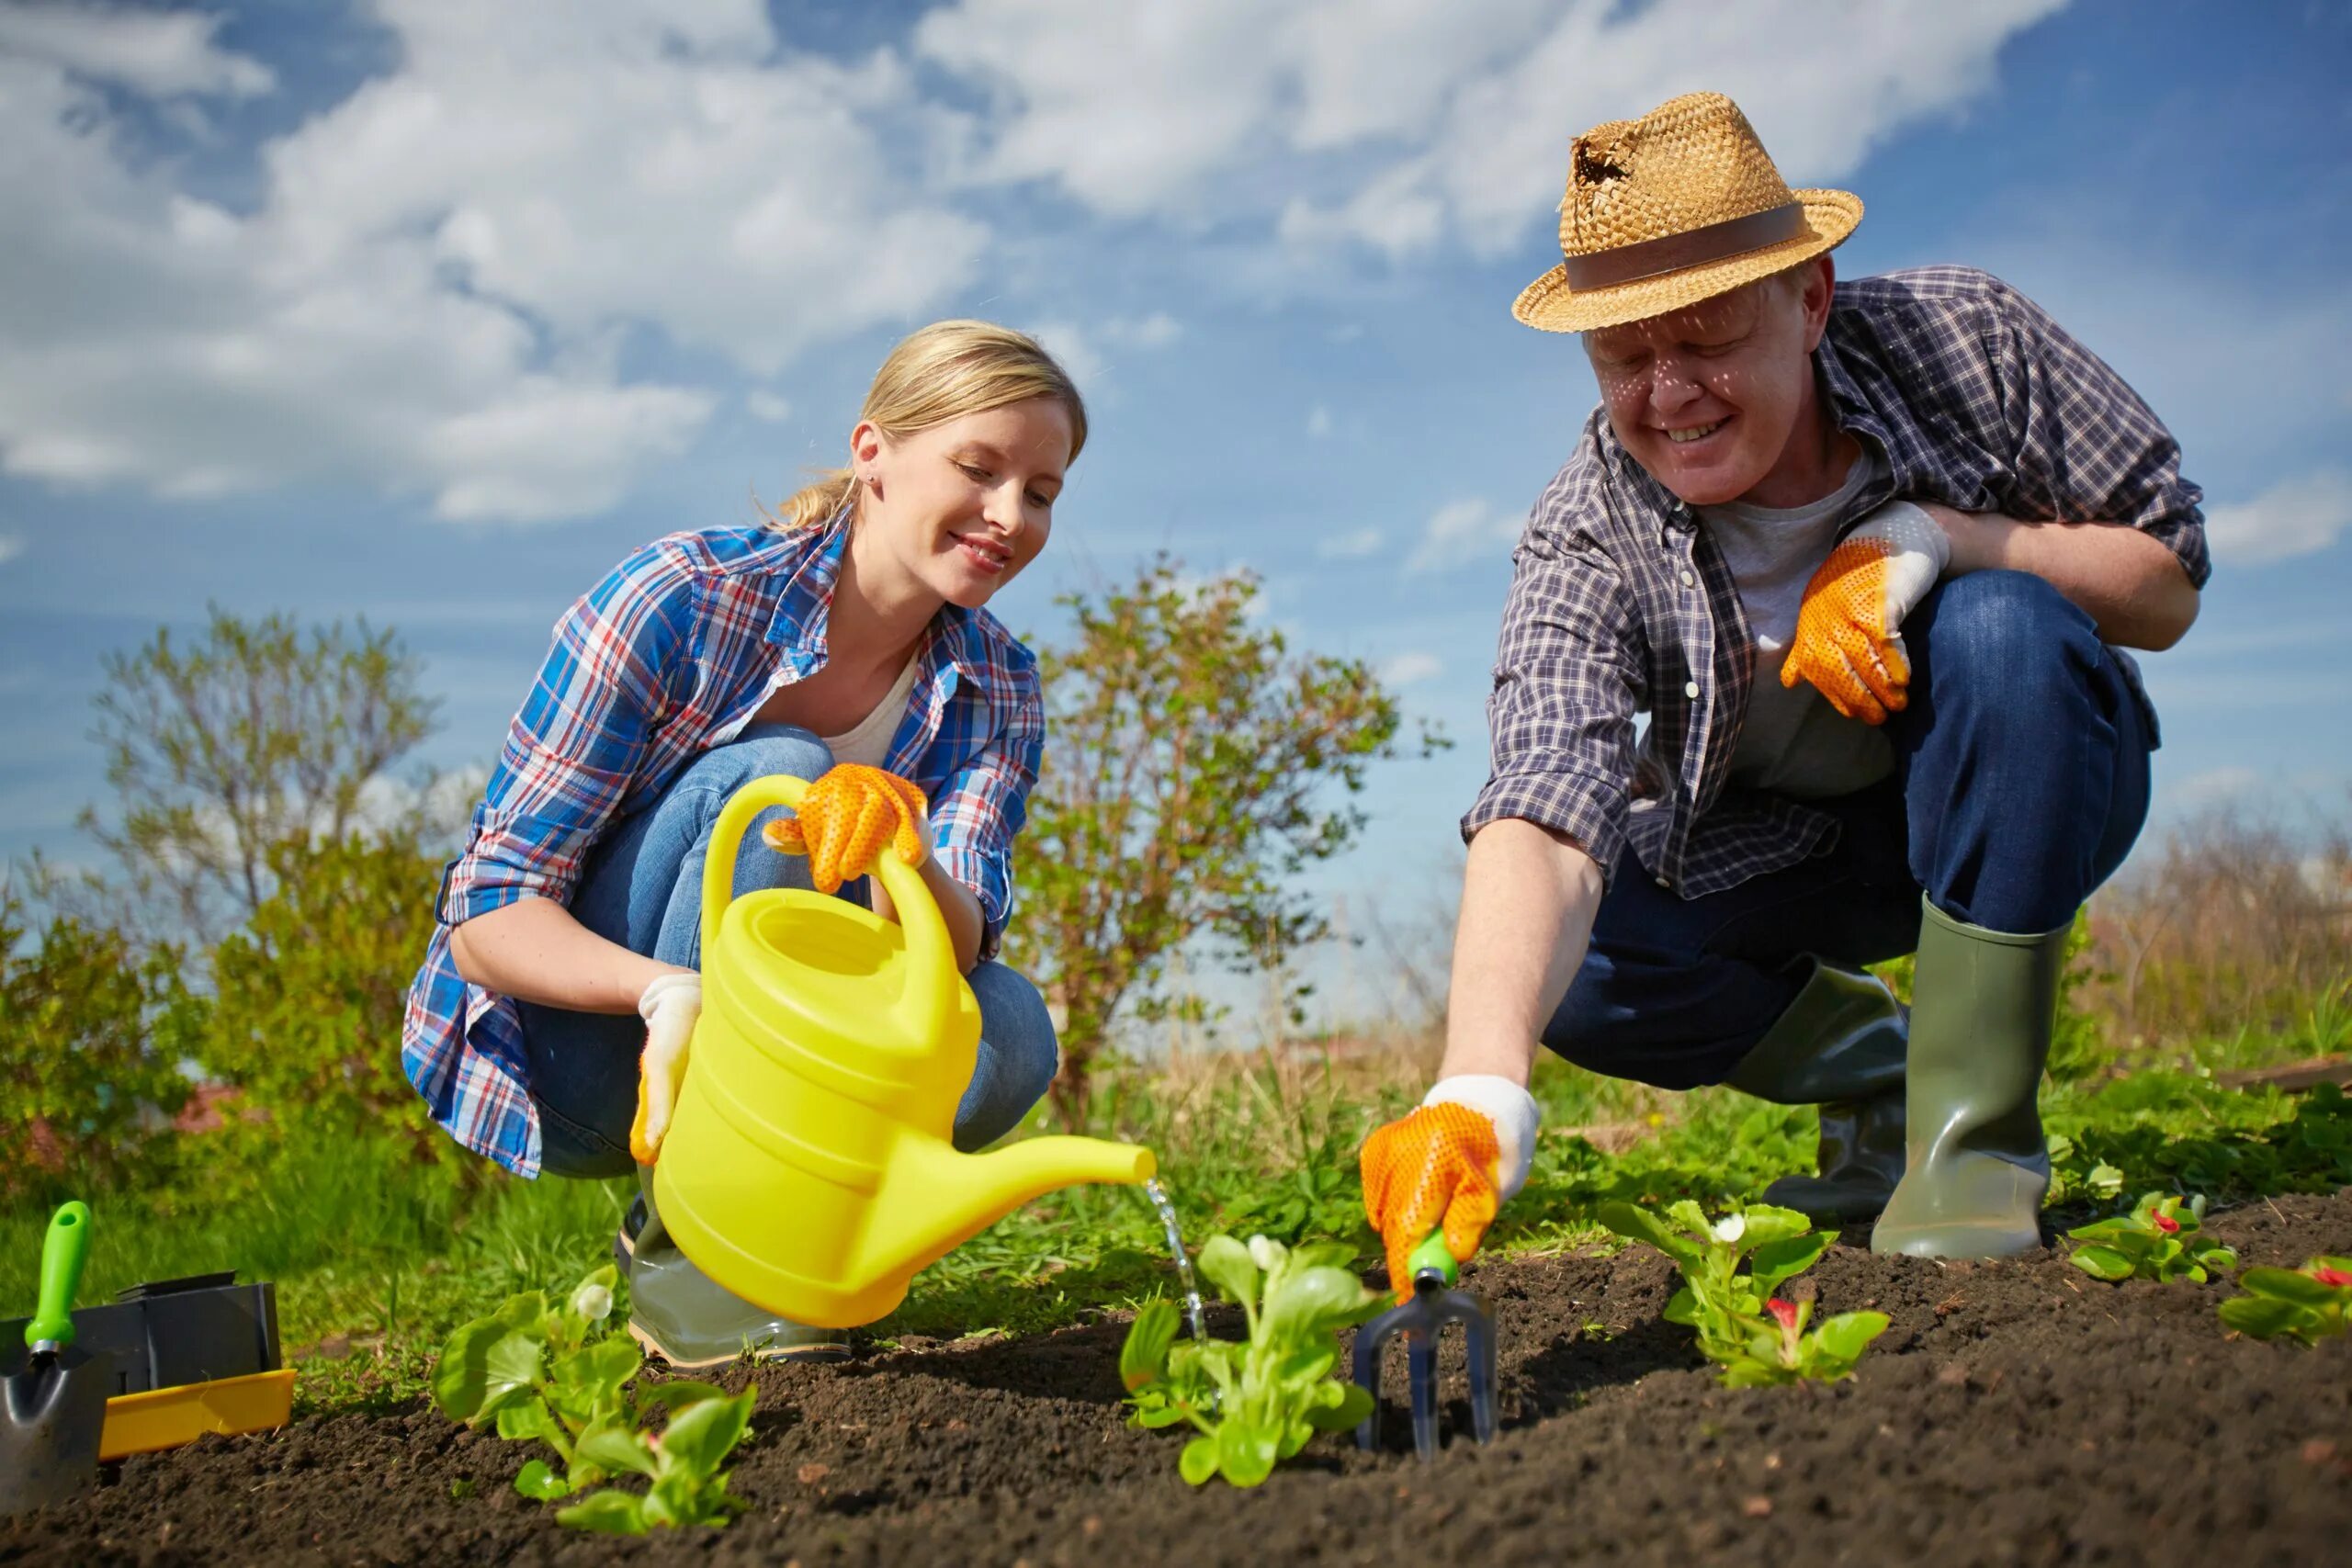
(1694, 247)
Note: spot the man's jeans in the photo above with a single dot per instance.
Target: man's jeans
(2021, 778)
(642, 888)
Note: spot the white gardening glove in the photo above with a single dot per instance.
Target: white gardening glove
(1848, 639)
(670, 1006)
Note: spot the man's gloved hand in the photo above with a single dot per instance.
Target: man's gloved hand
(844, 818)
(670, 1006)
(1450, 1165)
(1848, 639)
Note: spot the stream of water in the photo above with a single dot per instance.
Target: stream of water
(1158, 1196)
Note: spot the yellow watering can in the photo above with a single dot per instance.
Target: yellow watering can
(808, 1166)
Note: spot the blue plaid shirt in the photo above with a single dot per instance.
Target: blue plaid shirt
(671, 655)
(1620, 603)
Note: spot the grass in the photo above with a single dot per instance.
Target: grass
(377, 1259)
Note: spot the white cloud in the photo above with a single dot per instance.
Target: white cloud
(160, 53)
(1157, 330)
(765, 405)
(11, 546)
(1485, 95)
(2299, 517)
(430, 293)
(1318, 422)
(1461, 531)
(1406, 668)
(1069, 343)
(2215, 786)
(1350, 546)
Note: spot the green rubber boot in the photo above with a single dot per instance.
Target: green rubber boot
(1840, 1046)
(680, 1313)
(1977, 1168)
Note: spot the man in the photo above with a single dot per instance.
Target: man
(1864, 553)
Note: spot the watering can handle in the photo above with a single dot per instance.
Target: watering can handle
(929, 950)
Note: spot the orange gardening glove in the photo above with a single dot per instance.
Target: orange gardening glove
(1848, 639)
(1448, 1166)
(844, 821)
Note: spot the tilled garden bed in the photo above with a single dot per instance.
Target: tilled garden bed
(2015, 1413)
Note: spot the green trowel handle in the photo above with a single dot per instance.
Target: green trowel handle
(62, 1254)
(1432, 1254)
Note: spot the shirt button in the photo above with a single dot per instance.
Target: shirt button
(1690, 688)
(1666, 883)
(1687, 579)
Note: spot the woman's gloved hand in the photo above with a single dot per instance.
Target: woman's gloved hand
(670, 1005)
(843, 819)
(1449, 1165)
(1848, 639)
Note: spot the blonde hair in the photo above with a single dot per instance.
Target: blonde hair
(945, 371)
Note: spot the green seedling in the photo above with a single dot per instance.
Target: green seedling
(1741, 1325)
(1255, 1402)
(2157, 1240)
(2306, 1305)
(560, 1376)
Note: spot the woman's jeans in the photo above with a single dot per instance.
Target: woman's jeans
(642, 888)
(2021, 782)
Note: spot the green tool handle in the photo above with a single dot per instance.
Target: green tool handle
(1432, 1253)
(62, 1253)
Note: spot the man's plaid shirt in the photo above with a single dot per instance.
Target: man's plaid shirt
(1620, 602)
(671, 655)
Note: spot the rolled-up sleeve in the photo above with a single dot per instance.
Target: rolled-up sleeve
(577, 740)
(1568, 678)
(2084, 445)
(982, 804)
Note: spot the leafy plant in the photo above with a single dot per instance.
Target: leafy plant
(1192, 766)
(2074, 1176)
(1257, 1401)
(1742, 1326)
(559, 1375)
(2306, 1305)
(2157, 1240)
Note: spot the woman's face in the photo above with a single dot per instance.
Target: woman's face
(963, 506)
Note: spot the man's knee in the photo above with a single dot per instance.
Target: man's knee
(2001, 629)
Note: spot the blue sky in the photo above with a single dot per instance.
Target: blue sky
(427, 310)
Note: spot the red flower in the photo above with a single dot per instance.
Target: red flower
(2336, 1276)
(2165, 1222)
(1785, 1313)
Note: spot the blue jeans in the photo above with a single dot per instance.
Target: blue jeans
(642, 888)
(2021, 782)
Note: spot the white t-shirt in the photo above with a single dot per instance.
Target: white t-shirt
(870, 742)
(1793, 743)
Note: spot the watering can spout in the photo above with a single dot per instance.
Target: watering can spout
(943, 1198)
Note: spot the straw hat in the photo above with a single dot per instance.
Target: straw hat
(1677, 207)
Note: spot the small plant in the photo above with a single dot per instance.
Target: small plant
(1257, 1401)
(2157, 1240)
(2306, 1305)
(1742, 1326)
(559, 1375)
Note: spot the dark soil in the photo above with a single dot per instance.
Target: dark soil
(2015, 1413)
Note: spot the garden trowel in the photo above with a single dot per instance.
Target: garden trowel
(1435, 1303)
(55, 1408)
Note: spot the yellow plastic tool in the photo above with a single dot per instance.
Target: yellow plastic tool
(167, 1417)
(807, 1167)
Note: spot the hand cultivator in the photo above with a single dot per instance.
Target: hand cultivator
(1434, 1304)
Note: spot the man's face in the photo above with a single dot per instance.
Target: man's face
(1711, 399)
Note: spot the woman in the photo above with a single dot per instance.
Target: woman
(845, 644)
